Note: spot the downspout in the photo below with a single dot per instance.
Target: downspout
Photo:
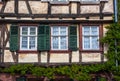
(115, 21)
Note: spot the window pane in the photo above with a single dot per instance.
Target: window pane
(24, 42)
(32, 43)
(86, 30)
(94, 30)
(24, 30)
(86, 42)
(55, 41)
(95, 43)
(32, 31)
(63, 31)
(55, 31)
(63, 43)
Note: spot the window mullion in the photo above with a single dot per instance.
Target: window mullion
(59, 39)
(28, 38)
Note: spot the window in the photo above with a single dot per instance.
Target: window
(59, 1)
(59, 38)
(28, 38)
(90, 37)
(89, 0)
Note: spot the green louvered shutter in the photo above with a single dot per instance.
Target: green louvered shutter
(13, 38)
(73, 38)
(43, 38)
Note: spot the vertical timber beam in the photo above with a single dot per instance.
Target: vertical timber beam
(70, 8)
(16, 7)
(78, 8)
(0, 42)
(29, 8)
(49, 9)
(39, 57)
(70, 56)
(48, 57)
(3, 44)
(101, 6)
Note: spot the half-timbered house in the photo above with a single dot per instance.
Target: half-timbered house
(53, 32)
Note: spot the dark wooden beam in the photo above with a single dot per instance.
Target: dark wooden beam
(16, 6)
(3, 7)
(55, 15)
(70, 8)
(29, 8)
(3, 44)
(101, 6)
(54, 21)
(39, 57)
(49, 9)
(78, 8)
(7, 34)
(70, 56)
(48, 57)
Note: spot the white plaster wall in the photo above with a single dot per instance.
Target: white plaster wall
(89, 9)
(8, 56)
(9, 7)
(75, 56)
(38, 7)
(28, 57)
(91, 57)
(22, 7)
(59, 58)
(73, 8)
(60, 9)
(108, 6)
(43, 57)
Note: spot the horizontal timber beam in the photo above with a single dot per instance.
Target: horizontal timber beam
(53, 21)
(3, 15)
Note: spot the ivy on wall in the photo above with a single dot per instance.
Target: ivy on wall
(77, 72)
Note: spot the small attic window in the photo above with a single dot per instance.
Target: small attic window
(90, 1)
(59, 1)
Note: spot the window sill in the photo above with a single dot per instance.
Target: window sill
(91, 51)
(27, 51)
(60, 51)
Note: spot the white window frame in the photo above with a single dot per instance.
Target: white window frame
(28, 37)
(90, 37)
(59, 36)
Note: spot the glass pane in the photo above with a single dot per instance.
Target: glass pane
(94, 30)
(95, 43)
(86, 30)
(63, 43)
(24, 30)
(32, 43)
(55, 41)
(63, 31)
(32, 31)
(86, 42)
(55, 31)
(24, 42)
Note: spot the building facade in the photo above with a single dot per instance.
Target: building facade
(53, 32)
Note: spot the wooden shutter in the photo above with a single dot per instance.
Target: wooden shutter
(43, 38)
(73, 38)
(13, 38)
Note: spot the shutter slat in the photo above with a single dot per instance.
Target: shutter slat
(73, 38)
(13, 38)
(43, 38)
